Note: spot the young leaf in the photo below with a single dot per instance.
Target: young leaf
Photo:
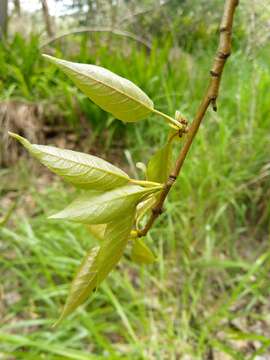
(98, 231)
(159, 166)
(98, 263)
(143, 207)
(84, 282)
(141, 254)
(101, 208)
(111, 92)
(115, 241)
(79, 169)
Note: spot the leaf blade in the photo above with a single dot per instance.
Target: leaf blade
(145, 206)
(97, 230)
(160, 164)
(98, 263)
(83, 283)
(113, 93)
(141, 254)
(115, 241)
(79, 169)
(101, 208)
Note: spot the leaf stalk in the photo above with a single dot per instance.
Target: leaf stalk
(169, 119)
(145, 183)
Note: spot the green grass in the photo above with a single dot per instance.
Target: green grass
(212, 243)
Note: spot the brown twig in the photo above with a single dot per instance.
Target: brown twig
(223, 52)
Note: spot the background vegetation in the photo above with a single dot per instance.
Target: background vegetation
(207, 296)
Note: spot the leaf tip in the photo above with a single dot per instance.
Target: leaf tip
(48, 57)
(21, 139)
(12, 134)
(52, 59)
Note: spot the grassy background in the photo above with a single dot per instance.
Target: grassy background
(207, 296)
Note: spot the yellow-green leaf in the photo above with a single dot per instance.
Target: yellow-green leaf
(141, 254)
(115, 241)
(79, 169)
(98, 263)
(97, 230)
(113, 93)
(159, 166)
(145, 206)
(84, 282)
(101, 208)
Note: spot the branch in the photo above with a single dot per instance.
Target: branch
(210, 97)
(99, 29)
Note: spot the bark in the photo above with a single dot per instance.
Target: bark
(47, 18)
(17, 6)
(3, 17)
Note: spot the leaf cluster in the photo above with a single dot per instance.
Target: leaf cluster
(112, 204)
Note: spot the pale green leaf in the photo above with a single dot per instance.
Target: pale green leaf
(159, 166)
(113, 93)
(97, 230)
(84, 282)
(115, 241)
(141, 166)
(144, 206)
(98, 263)
(101, 208)
(141, 254)
(82, 170)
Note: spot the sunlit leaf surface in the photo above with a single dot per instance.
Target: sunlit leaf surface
(113, 93)
(79, 169)
(103, 207)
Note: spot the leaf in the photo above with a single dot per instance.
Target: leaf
(113, 93)
(84, 282)
(98, 231)
(115, 241)
(98, 263)
(101, 208)
(159, 166)
(79, 169)
(141, 254)
(143, 207)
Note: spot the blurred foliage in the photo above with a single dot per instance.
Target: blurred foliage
(190, 25)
